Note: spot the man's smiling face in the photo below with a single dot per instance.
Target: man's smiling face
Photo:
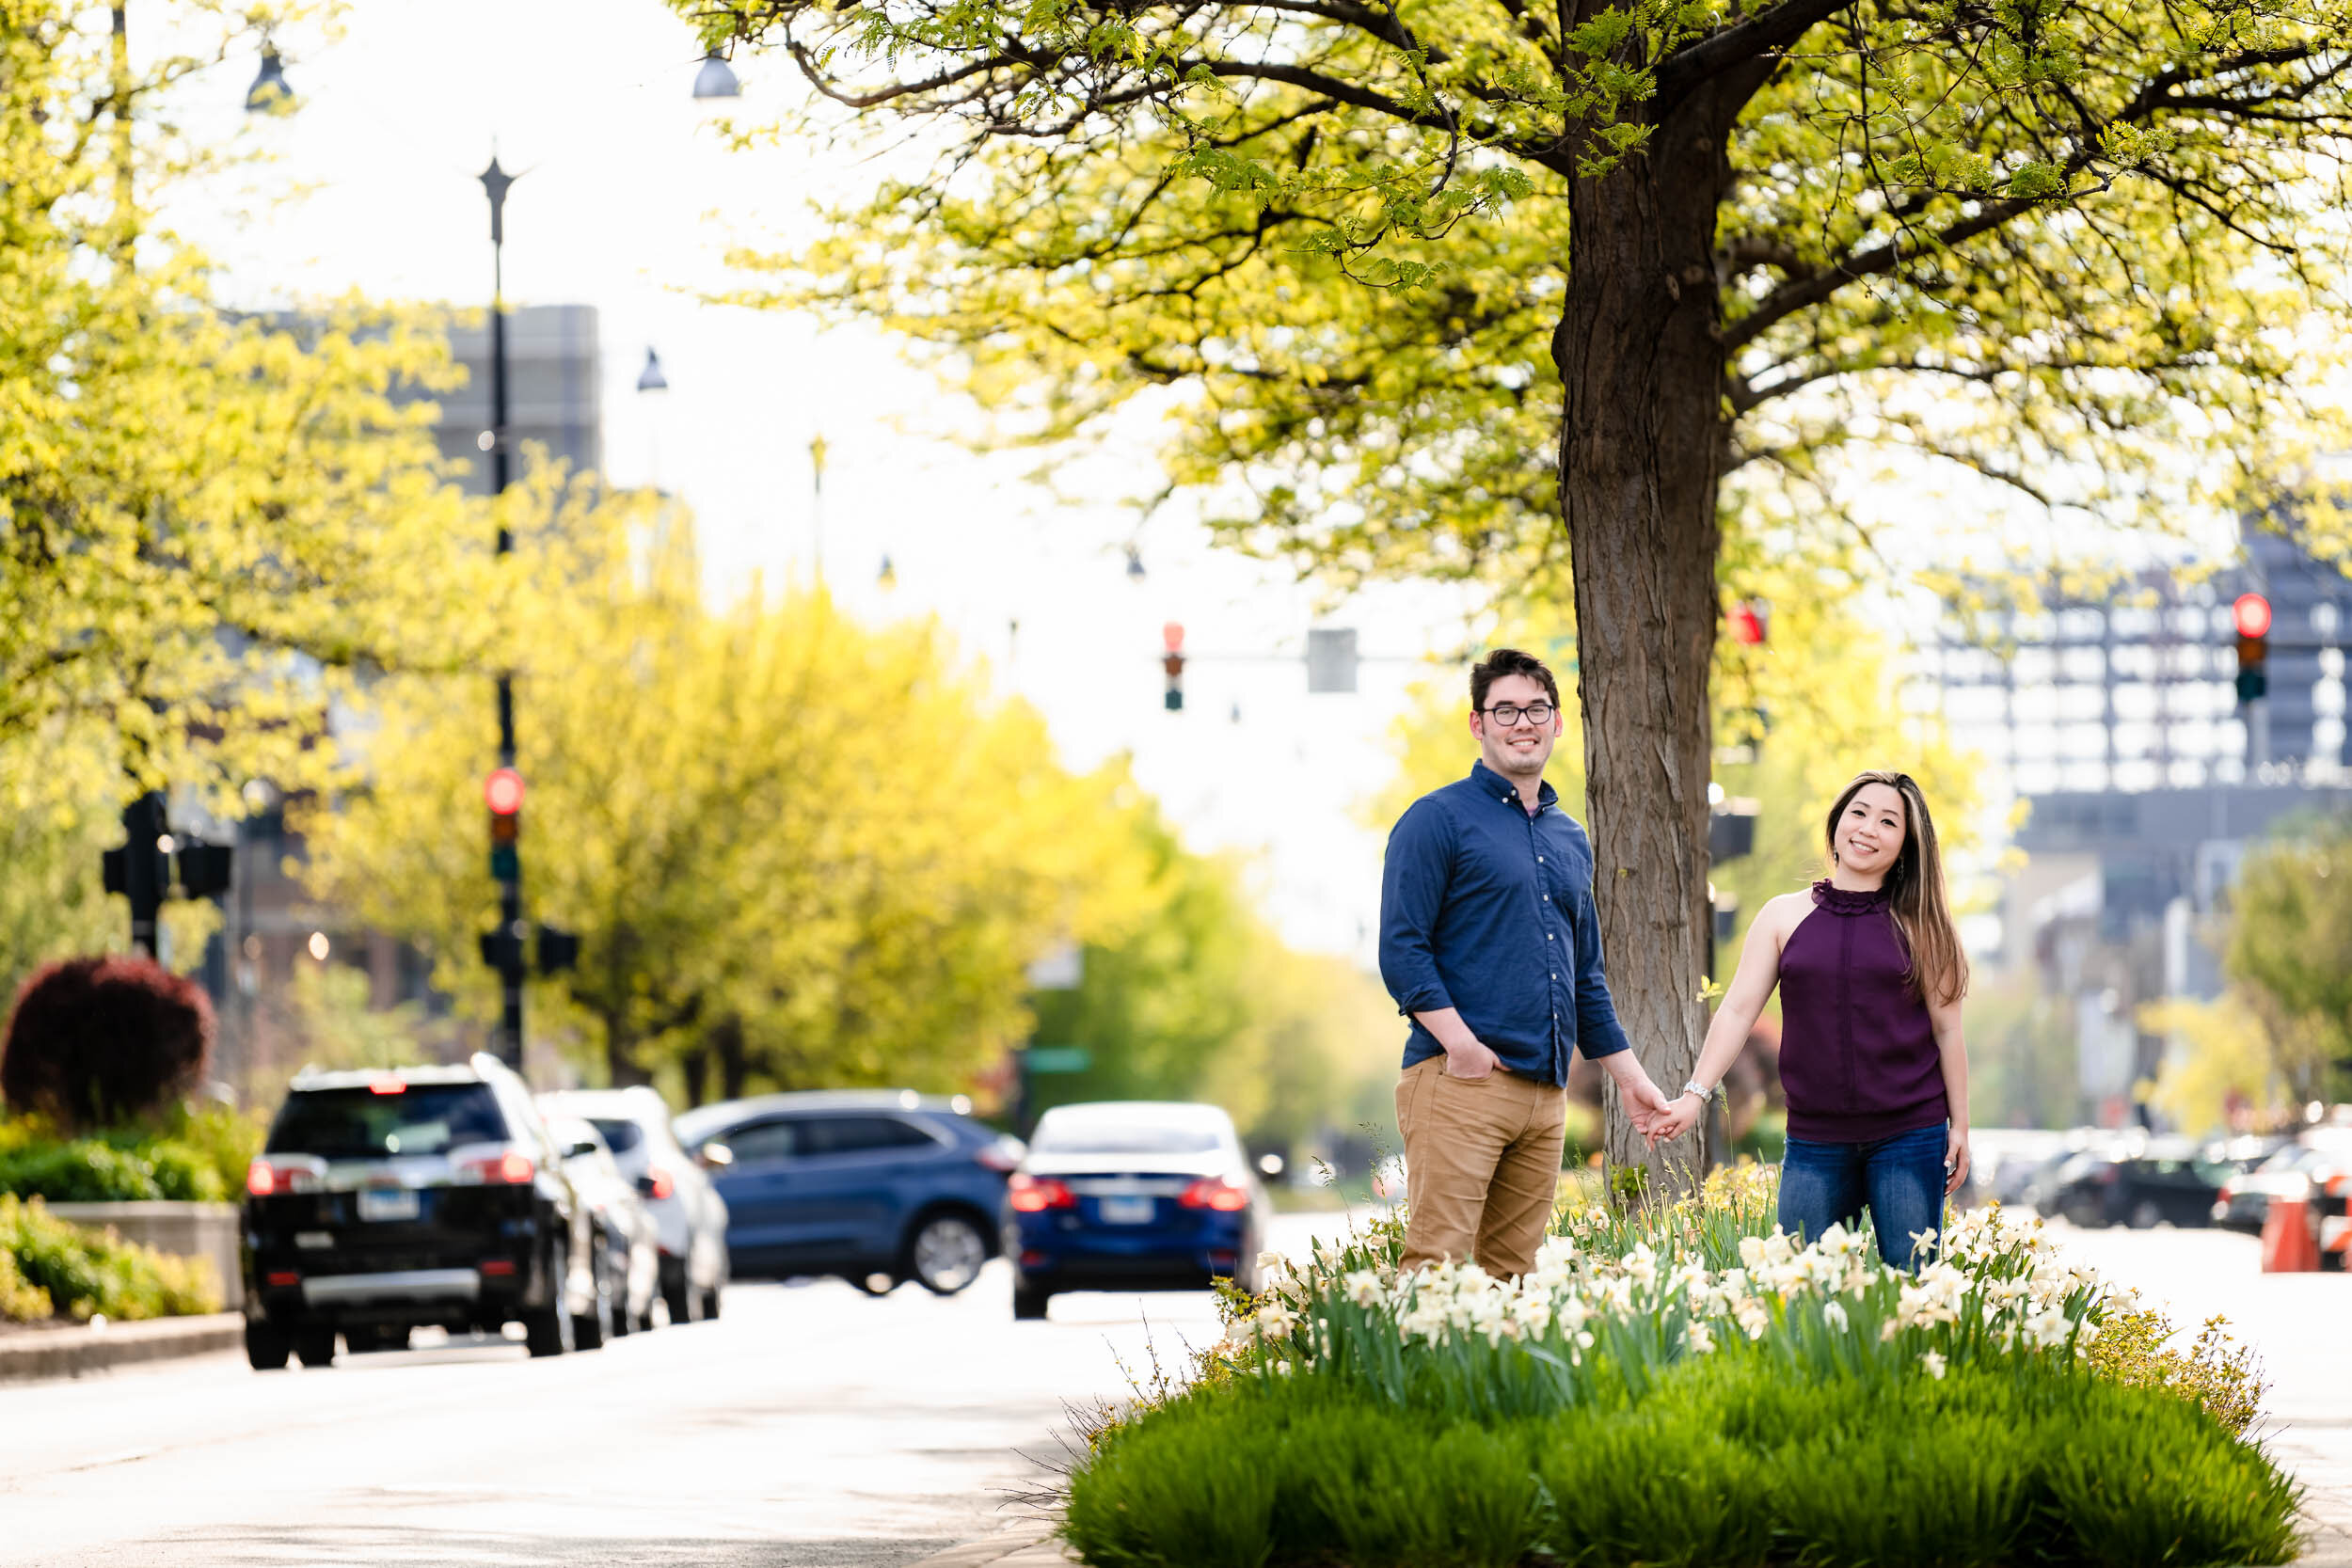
(1518, 749)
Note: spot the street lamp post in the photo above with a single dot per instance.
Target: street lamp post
(507, 867)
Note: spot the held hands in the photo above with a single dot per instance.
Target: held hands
(1677, 1118)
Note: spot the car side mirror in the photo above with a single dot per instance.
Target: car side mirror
(715, 1155)
(585, 1145)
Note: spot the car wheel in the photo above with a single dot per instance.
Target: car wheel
(548, 1330)
(685, 1302)
(710, 1304)
(945, 1255)
(266, 1346)
(2145, 1215)
(314, 1346)
(1028, 1305)
(588, 1327)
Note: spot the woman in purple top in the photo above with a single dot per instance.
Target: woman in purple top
(1870, 975)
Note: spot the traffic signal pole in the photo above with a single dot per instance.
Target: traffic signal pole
(507, 867)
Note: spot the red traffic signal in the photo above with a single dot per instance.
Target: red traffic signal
(1746, 621)
(2252, 615)
(1173, 635)
(504, 791)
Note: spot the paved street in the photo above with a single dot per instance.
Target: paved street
(811, 1427)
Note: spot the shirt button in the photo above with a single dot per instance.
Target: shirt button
(1547, 898)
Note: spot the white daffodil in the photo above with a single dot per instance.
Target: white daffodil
(1834, 1316)
(1934, 1362)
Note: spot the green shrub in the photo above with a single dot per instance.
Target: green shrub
(192, 1156)
(20, 1300)
(1726, 1464)
(85, 1271)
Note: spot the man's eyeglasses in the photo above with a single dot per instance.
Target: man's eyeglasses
(1508, 714)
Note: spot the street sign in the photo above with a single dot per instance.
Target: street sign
(1057, 1058)
(1331, 658)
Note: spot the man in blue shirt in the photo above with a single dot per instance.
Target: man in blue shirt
(1491, 943)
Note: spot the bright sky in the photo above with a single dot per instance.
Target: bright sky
(625, 201)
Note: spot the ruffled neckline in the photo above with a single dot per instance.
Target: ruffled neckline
(1839, 900)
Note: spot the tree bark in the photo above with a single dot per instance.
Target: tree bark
(1642, 360)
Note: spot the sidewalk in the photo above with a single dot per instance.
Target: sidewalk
(43, 1352)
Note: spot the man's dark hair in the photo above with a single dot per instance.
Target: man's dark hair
(1508, 661)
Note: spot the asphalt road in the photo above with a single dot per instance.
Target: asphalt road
(810, 1427)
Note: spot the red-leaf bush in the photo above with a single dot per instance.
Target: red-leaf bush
(95, 1043)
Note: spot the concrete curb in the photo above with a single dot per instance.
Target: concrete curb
(72, 1351)
(1025, 1544)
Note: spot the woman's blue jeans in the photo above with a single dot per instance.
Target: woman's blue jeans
(1901, 1178)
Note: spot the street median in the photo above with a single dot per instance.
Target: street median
(42, 1352)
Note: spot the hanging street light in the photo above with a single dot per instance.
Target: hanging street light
(269, 92)
(650, 379)
(716, 79)
(1134, 563)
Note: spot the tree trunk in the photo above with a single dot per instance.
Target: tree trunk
(1640, 454)
(733, 1066)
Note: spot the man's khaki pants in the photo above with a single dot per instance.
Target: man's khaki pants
(1481, 1165)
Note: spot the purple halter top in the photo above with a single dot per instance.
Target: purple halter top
(1857, 1051)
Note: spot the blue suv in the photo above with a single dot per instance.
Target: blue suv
(875, 1186)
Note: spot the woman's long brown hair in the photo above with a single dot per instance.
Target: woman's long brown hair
(1914, 887)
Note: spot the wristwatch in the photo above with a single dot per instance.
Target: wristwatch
(1694, 1086)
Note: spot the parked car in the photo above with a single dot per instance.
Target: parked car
(628, 1247)
(390, 1198)
(2162, 1184)
(2243, 1202)
(689, 1217)
(1133, 1195)
(878, 1187)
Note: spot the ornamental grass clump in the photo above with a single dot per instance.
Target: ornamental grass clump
(71, 1272)
(1687, 1386)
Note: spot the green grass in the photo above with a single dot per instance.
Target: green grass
(1727, 1462)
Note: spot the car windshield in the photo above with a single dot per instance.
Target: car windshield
(620, 1134)
(1071, 1136)
(365, 1124)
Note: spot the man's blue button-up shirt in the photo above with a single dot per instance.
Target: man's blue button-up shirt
(1488, 910)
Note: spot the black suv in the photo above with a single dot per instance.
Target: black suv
(390, 1197)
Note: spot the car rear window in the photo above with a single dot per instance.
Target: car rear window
(362, 1124)
(1123, 1138)
(620, 1134)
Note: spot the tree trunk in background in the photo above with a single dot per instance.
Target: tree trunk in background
(1640, 456)
(727, 1037)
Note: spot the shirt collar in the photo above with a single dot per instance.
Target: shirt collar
(1490, 782)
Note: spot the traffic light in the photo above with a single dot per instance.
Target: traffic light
(1749, 621)
(559, 950)
(204, 869)
(502, 791)
(1173, 636)
(2252, 613)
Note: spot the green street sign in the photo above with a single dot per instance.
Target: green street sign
(1057, 1058)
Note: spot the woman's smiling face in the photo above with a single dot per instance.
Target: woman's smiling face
(1871, 835)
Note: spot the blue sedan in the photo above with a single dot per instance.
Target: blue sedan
(876, 1187)
(1133, 1195)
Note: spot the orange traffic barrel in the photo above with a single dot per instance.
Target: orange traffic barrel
(2289, 1242)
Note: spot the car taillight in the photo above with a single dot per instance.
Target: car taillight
(657, 1183)
(2229, 1191)
(498, 1266)
(1216, 1193)
(512, 1168)
(267, 1177)
(1034, 1194)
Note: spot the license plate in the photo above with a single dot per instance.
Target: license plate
(1126, 1210)
(387, 1203)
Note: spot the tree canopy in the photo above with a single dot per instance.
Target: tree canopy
(207, 521)
(2090, 249)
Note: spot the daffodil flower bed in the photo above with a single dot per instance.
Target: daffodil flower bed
(1685, 1386)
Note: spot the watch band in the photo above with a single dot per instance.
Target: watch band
(1694, 1086)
